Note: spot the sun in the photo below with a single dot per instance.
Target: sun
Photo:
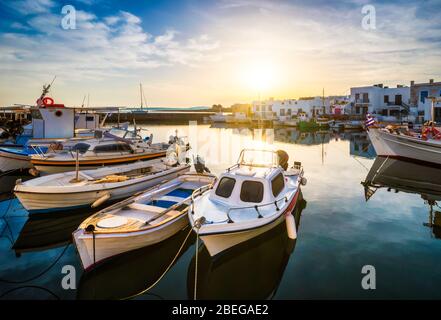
(260, 75)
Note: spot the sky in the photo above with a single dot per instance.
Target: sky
(199, 53)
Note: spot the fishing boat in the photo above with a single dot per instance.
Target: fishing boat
(405, 144)
(142, 220)
(229, 276)
(95, 153)
(219, 117)
(353, 125)
(251, 197)
(69, 190)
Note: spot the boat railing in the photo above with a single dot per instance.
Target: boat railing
(38, 151)
(275, 203)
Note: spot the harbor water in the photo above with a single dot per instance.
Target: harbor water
(339, 233)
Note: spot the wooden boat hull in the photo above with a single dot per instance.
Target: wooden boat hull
(391, 145)
(107, 246)
(38, 202)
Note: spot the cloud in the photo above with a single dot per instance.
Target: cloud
(113, 46)
(19, 26)
(29, 7)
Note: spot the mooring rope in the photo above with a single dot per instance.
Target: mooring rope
(41, 273)
(34, 287)
(196, 264)
(165, 271)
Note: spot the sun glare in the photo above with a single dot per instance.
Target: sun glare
(258, 75)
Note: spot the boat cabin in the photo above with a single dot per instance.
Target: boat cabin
(91, 148)
(256, 179)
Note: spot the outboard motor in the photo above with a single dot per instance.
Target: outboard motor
(149, 139)
(283, 159)
(199, 165)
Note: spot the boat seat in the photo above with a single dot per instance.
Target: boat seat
(164, 217)
(145, 207)
(169, 198)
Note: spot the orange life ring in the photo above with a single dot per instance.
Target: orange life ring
(48, 101)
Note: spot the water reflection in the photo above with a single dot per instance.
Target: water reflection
(131, 273)
(251, 270)
(40, 233)
(410, 177)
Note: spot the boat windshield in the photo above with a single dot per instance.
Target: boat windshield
(258, 158)
(121, 133)
(81, 147)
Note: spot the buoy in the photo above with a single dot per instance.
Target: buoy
(291, 226)
(303, 181)
(101, 200)
(34, 172)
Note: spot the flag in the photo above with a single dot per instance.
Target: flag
(370, 121)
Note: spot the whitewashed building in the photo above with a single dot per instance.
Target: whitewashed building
(387, 103)
(419, 93)
(285, 109)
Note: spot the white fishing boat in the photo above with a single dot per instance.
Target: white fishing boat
(250, 198)
(69, 190)
(353, 125)
(237, 118)
(95, 153)
(406, 145)
(140, 221)
(219, 117)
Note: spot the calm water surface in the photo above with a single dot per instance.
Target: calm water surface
(339, 232)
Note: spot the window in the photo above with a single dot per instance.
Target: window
(225, 187)
(386, 99)
(90, 118)
(357, 96)
(423, 95)
(365, 97)
(252, 191)
(277, 184)
(282, 112)
(288, 112)
(81, 147)
(120, 147)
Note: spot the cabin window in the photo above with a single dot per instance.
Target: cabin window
(81, 147)
(252, 191)
(112, 148)
(225, 187)
(277, 184)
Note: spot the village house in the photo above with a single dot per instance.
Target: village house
(419, 99)
(388, 104)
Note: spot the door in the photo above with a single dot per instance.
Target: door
(398, 99)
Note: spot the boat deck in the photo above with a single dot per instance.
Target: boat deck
(146, 213)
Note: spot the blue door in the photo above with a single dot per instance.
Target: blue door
(423, 95)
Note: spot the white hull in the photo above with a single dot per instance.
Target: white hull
(38, 201)
(400, 146)
(9, 161)
(107, 246)
(218, 243)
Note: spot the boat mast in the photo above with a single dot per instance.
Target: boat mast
(45, 92)
(140, 93)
